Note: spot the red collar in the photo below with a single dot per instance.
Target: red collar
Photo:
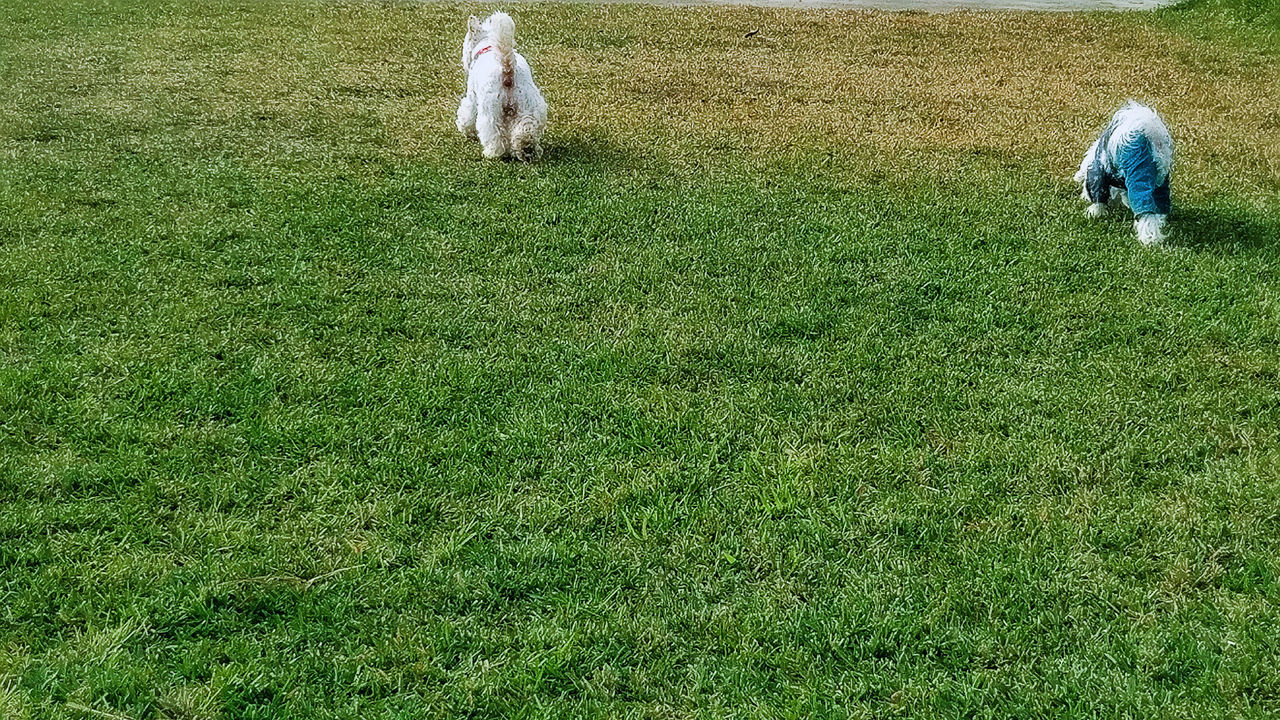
(482, 51)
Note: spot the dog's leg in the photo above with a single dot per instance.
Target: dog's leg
(489, 128)
(467, 117)
(530, 151)
(491, 139)
(524, 139)
(1150, 228)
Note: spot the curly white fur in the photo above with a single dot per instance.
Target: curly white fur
(1132, 120)
(503, 108)
(1150, 228)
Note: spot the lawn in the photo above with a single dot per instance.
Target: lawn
(792, 383)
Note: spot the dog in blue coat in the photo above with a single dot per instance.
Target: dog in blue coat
(1131, 161)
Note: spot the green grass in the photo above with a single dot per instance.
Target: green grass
(801, 389)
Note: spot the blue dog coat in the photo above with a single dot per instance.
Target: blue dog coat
(1134, 170)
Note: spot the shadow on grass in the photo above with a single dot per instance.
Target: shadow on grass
(1227, 229)
(585, 150)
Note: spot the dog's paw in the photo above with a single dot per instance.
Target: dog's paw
(1096, 210)
(531, 152)
(1150, 229)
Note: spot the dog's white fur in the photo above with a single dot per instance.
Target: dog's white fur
(503, 108)
(1133, 119)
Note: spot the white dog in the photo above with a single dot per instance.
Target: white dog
(502, 107)
(1133, 156)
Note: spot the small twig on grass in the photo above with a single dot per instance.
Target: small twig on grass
(752, 33)
(318, 578)
(265, 579)
(300, 583)
(100, 713)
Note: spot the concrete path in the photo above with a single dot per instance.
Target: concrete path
(926, 5)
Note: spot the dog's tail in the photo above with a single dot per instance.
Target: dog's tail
(503, 36)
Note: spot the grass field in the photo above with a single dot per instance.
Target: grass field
(793, 383)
